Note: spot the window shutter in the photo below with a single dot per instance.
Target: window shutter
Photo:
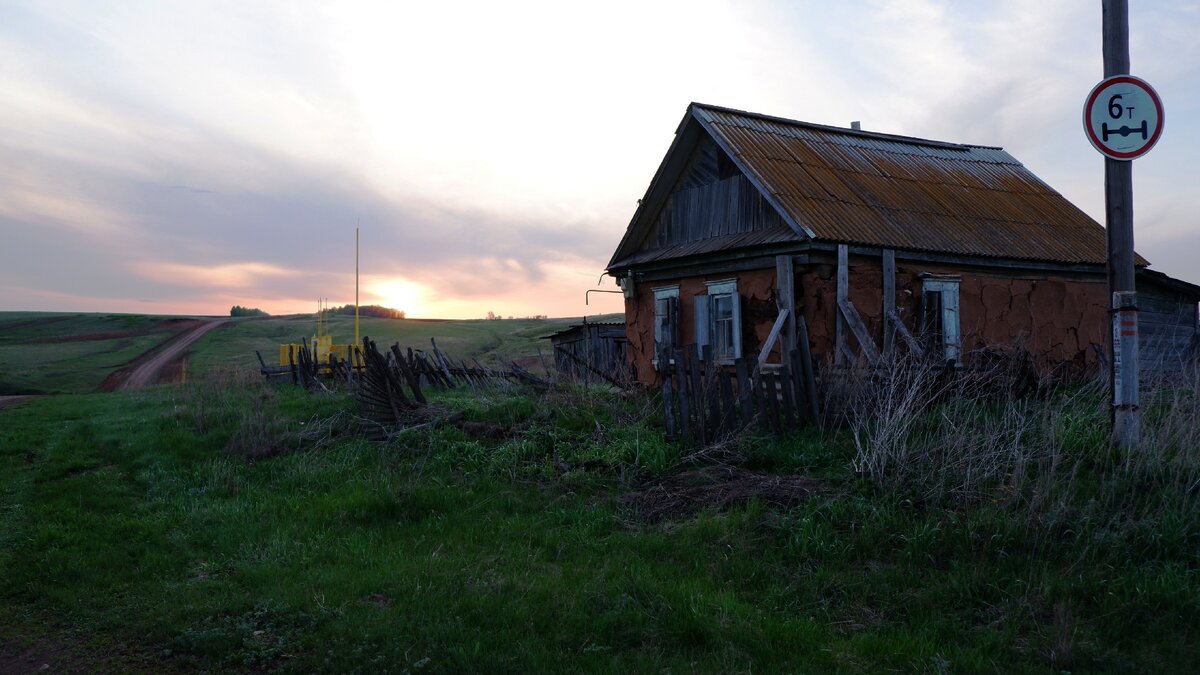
(700, 306)
(673, 321)
(950, 324)
(662, 308)
(737, 326)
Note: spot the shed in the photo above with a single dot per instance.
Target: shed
(592, 352)
(876, 242)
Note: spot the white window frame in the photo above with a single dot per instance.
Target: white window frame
(720, 288)
(951, 328)
(663, 293)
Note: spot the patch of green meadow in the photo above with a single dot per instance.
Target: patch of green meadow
(232, 526)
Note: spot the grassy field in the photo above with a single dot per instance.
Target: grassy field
(484, 340)
(229, 525)
(57, 353)
(73, 353)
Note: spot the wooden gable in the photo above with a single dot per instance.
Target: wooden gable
(712, 198)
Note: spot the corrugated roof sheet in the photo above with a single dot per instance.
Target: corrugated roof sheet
(873, 189)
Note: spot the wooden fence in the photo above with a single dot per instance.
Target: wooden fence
(705, 402)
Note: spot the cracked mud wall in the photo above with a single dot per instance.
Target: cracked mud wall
(757, 291)
(1057, 319)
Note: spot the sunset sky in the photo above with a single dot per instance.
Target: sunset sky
(183, 157)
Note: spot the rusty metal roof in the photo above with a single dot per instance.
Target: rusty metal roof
(849, 186)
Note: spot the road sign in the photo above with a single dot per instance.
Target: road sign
(1123, 117)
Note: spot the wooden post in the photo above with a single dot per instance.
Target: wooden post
(745, 386)
(787, 390)
(691, 360)
(811, 409)
(668, 393)
(1118, 198)
(843, 293)
(681, 386)
(785, 300)
(889, 302)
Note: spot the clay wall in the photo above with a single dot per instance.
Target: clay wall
(757, 291)
(1057, 319)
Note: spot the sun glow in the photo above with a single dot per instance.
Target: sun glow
(399, 294)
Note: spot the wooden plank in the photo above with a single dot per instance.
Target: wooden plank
(685, 395)
(843, 293)
(713, 373)
(760, 402)
(889, 302)
(414, 381)
(442, 361)
(812, 409)
(725, 420)
(785, 299)
(787, 389)
(696, 391)
(770, 390)
(865, 341)
(913, 345)
(744, 385)
(668, 393)
(776, 328)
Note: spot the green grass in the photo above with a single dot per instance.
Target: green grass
(477, 339)
(34, 358)
(197, 527)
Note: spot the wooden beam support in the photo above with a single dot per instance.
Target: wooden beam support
(776, 329)
(785, 301)
(843, 294)
(913, 345)
(889, 302)
(865, 342)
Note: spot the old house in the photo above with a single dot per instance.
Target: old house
(878, 242)
(592, 351)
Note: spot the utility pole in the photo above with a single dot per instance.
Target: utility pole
(1118, 198)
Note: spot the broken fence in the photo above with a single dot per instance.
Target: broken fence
(705, 401)
(391, 381)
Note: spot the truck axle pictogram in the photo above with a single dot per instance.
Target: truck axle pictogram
(1125, 131)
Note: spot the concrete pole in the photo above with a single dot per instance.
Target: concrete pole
(1118, 197)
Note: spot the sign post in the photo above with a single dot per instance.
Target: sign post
(1123, 119)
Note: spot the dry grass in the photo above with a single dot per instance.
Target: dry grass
(975, 437)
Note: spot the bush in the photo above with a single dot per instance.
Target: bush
(238, 310)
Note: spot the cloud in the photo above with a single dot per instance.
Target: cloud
(492, 154)
(233, 275)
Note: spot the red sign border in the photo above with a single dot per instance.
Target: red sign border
(1087, 118)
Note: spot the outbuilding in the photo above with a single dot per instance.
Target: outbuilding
(876, 243)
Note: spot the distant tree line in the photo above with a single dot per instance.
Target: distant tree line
(492, 316)
(238, 310)
(376, 311)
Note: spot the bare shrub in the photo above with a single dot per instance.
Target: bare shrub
(981, 435)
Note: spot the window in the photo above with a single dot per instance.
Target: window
(939, 317)
(666, 320)
(724, 320)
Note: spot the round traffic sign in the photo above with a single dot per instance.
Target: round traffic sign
(1123, 117)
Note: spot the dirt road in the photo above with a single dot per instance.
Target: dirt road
(146, 369)
(6, 401)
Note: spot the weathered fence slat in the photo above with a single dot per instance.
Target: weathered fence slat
(681, 386)
(786, 388)
(695, 378)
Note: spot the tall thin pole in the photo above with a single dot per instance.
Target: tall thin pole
(356, 286)
(1118, 198)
